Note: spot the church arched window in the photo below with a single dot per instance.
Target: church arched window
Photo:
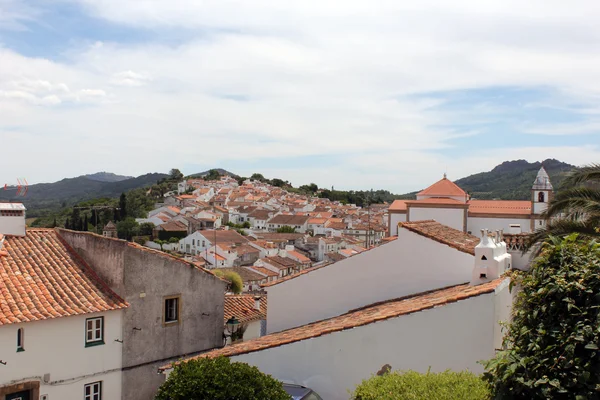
(541, 197)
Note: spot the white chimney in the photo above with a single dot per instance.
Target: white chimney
(257, 303)
(514, 229)
(491, 258)
(12, 219)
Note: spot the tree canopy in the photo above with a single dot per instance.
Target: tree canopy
(219, 379)
(551, 349)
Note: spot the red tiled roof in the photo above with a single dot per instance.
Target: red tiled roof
(512, 207)
(241, 306)
(41, 277)
(443, 187)
(436, 200)
(398, 205)
(431, 229)
(356, 318)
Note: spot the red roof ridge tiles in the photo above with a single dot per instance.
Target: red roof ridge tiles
(431, 229)
(364, 316)
(443, 187)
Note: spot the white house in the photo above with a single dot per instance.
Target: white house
(200, 241)
(60, 334)
(448, 204)
(427, 255)
(449, 328)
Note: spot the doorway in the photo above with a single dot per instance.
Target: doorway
(25, 395)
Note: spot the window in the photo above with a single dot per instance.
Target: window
(94, 331)
(92, 391)
(20, 340)
(193, 242)
(484, 258)
(171, 310)
(541, 197)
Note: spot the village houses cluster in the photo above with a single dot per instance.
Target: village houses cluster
(416, 284)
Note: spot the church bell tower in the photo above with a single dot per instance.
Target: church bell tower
(541, 194)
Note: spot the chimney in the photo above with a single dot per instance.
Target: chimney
(257, 303)
(12, 219)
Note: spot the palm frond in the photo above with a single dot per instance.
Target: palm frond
(574, 201)
(561, 228)
(587, 173)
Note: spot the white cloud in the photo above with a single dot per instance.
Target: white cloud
(14, 14)
(260, 79)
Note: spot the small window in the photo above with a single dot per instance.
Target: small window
(482, 276)
(94, 331)
(171, 310)
(193, 242)
(20, 340)
(484, 258)
(541, 197)
(92, 391)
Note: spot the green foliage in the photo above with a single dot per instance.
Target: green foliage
(122, 207)
(175, 174)
(212, 175)
(146, 228)
(411, 385)
(236, 285)
(286, 229)
(219, 379)
(127, 228)
(360, 198)
(258, 177)
(168, 235)
(552, 343)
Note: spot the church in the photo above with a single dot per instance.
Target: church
(446, 203)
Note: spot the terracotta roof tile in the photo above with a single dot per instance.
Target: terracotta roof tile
(431, 229)
(41, 277)
(435, 200)
(512, 207)
(443, 187)
(241, 306)
(356, 318)
(398, 205)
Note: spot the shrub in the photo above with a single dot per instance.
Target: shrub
(551, 347)
(236, 285)
(219, 379)
(411, 385)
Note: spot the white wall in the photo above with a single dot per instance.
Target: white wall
(57, 347)
(539, 208)
(13, 225)
(476, 224)
(452, 217)
(395, 219)
(409, 265)
(252, 330)
(455, 336)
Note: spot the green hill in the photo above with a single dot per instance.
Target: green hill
(512, 180)
(45, 198)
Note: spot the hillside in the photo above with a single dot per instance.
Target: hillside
(512, 180)
(107, 177)
(44, 198)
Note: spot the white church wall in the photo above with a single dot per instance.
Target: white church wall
(454, 336)
(476, 224)
(452, 217)
(409, 265)
(395, 219)
(540, 207)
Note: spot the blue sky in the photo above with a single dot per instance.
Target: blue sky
(355, 94)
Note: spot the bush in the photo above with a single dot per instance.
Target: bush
(553, 339)
(411, 385)
(219, 379)
(236, 285)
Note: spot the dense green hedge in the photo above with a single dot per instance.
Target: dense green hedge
(411, 385)
(552, 342)
(219, 379)
(166, 235)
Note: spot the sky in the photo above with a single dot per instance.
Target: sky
(356, 94)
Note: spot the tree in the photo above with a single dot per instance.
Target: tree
(161, 243)
(219, 379)
(175, 174)
(448, 385)
(67, 224)
(575, 209)
(236, 285)
(85, 223)
(146, 228)
(122, 206)
(127, 229)
(213, 175)
(551, 348)
(258, 177)
(278, 182)
(246, 225)
(54, 223)
(286, 229)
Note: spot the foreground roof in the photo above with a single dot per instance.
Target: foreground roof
(41, 277)
(398, 205)
(443, 187)
(356, 318)
(431, 229)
